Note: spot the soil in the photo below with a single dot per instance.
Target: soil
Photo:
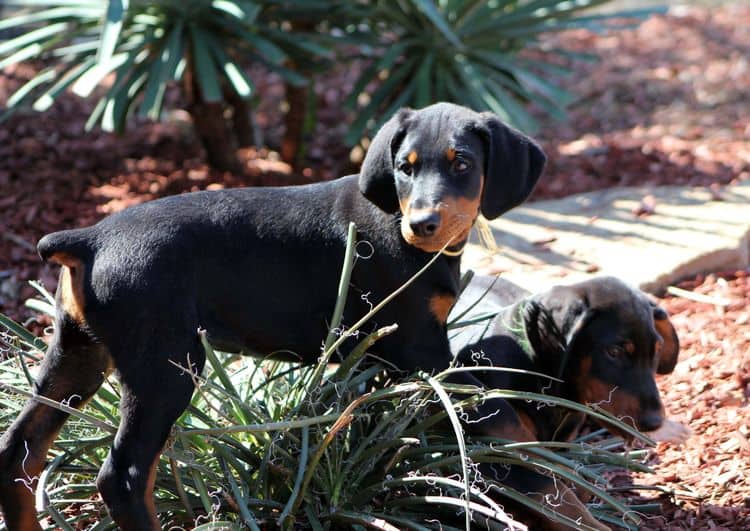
(666, 103)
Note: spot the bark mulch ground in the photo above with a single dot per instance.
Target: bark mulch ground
(710, 475)
(668, 103)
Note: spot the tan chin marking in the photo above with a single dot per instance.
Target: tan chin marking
(457, 214)
(454, 232)
(428, 245)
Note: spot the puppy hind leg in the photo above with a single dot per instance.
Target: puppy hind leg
(153, 397)
(554, 495)
(72, 370)
(563, 500)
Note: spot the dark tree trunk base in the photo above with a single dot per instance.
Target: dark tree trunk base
(242, 124)
(294, 125)
(216, 136)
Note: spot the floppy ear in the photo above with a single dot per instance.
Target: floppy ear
(555, 319)
(670, 346)
(512, 167)
(376, 177)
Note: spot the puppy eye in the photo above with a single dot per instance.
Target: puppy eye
(616, 352)
(461, 166)
(405, 168)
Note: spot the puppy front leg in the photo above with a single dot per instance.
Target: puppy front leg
(72, 371)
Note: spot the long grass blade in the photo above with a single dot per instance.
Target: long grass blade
(286, 519)
(458, 430)
(116, 10)
(344, 280)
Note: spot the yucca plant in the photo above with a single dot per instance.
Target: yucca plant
(469, 52)
(420, 51)
(202, 46)
(267, 444)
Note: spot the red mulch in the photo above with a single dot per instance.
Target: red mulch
(709, 391)
(668, 103)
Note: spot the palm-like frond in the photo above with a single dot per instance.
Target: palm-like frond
(135, 49)
(467, 52)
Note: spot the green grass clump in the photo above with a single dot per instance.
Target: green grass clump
(265, 443)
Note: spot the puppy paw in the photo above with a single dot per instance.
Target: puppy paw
(671, 431)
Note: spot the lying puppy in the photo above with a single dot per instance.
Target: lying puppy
(603, 339)
(259, 270)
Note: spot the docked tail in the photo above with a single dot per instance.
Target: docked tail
(66, 246)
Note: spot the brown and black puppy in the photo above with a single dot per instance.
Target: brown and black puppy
(259, 270)
(606, 342)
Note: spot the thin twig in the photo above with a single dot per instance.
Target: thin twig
(698, 297)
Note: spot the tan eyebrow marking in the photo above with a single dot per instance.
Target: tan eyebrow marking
(412, 157)
(450, 153)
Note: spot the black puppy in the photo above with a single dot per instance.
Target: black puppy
(603, 339)
(258, 269)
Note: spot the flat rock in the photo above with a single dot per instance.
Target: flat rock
(649, 237)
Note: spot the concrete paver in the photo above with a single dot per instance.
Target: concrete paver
(690, 230)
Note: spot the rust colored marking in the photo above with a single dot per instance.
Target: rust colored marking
(450, 154)
(440, 306)
(148, 494)
(619, 403)
(412, 157)
(560, 498)
(630, 347)
(403, 204)
(669, 347)
(585, 369)
(65, 259)
(516, 432)
(512, 427)
(457, 216)
(528, 426)
(70, 288)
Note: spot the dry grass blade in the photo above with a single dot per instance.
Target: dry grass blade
(698, 297)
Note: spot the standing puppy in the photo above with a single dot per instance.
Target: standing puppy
(258, 269)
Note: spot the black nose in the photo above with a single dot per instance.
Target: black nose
(424, 223)
(650, 421)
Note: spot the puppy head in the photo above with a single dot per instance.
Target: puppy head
(612, 341)
(441, 165)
